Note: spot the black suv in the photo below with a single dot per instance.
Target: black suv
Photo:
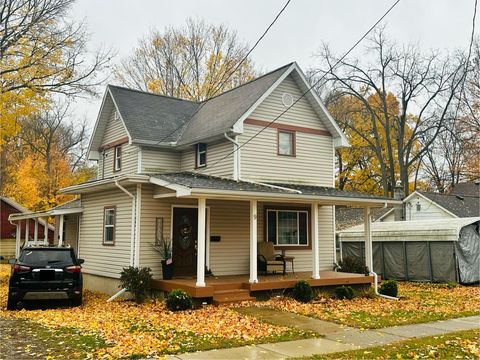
(45, 273)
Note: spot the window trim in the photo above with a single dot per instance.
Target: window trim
(119, 147)
(288, 208)
(294, 142)
(114, 208)
(197, 155)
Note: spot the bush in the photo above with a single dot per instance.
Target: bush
(344, 292)
(389, 288)
(178, 300)
(137, 281)
(354, 265)
(302, 291)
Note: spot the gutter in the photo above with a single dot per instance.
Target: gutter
(375, 286)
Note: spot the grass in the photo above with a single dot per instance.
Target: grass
(419, 303)
(23, 338)
(457, 345)
(123, 329)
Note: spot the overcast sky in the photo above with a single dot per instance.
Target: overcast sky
(305, 24)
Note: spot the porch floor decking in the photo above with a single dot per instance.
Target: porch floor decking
(217, 284)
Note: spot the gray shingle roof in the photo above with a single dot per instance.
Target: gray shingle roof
(192, 180)
(346, 217)
(469, 188)
(462, 206)
(220, 113)
(72, 204)
(151, 118)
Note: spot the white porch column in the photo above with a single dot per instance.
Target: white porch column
(207, 243)
(27, 230)
(315, 246)
(253, 242)
(60, 231)
(201, 242)
(368, 239)
(35, 232)
(45, 231)
(18, 239)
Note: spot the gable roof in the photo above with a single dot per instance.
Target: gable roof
(157, 120)
(21, 209)
(461, 206)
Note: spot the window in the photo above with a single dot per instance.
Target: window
(117, 158)
(287, 227)
(419, 206)
(286, 143)
(109, 226)
(201, 155)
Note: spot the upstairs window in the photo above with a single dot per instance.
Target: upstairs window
(201, 155)
(117, 158)
(286, 143)
(109, 225)
(287, 228)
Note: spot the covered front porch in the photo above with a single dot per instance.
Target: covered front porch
(230, 220)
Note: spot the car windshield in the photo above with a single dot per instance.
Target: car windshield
(46, 257)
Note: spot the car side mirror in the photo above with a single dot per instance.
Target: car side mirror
(80, 261)
(12, 261)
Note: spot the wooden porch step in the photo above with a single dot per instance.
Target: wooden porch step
(232, 295)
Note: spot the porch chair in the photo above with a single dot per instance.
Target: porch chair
(267, 260)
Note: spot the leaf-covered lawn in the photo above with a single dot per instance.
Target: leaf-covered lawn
(419, 302)
(131, 330)
(457, 345)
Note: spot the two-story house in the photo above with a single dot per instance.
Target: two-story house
(253, 164)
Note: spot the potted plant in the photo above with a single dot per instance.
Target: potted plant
(167, 261)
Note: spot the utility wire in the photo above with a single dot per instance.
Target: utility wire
(309, 89)
(467, 62)
(303, 95)
(184, 123)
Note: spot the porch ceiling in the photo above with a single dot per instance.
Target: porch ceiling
(186, 184)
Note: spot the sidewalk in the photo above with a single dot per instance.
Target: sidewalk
(335, 338)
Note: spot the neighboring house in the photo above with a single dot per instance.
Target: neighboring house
(438, 240)
(461, 202)
(8, 230)
(216, 178)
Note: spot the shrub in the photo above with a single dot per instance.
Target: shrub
(389, 287)
(344, 292)
(137, 281)
(352, 264)
(366, 293)
(178, 300)
(302, 291)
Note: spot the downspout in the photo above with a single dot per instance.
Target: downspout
(132, 238)
(375, 276)
(236, 156)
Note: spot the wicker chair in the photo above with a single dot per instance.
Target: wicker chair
(267, 260)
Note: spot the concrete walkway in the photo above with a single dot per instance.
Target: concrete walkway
(334, 338)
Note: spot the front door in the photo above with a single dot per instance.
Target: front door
(184, 250)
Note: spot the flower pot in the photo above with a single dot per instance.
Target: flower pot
(167, 270)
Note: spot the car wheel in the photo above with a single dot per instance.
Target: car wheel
(11, 303)
(77, 300)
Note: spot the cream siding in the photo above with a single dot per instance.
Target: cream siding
(102, 259)
(158, 160)
(116, 131)
(301, 114)
(230, 221)
(71, 230)
(218, 163)
(428, 210)
(312, 165)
